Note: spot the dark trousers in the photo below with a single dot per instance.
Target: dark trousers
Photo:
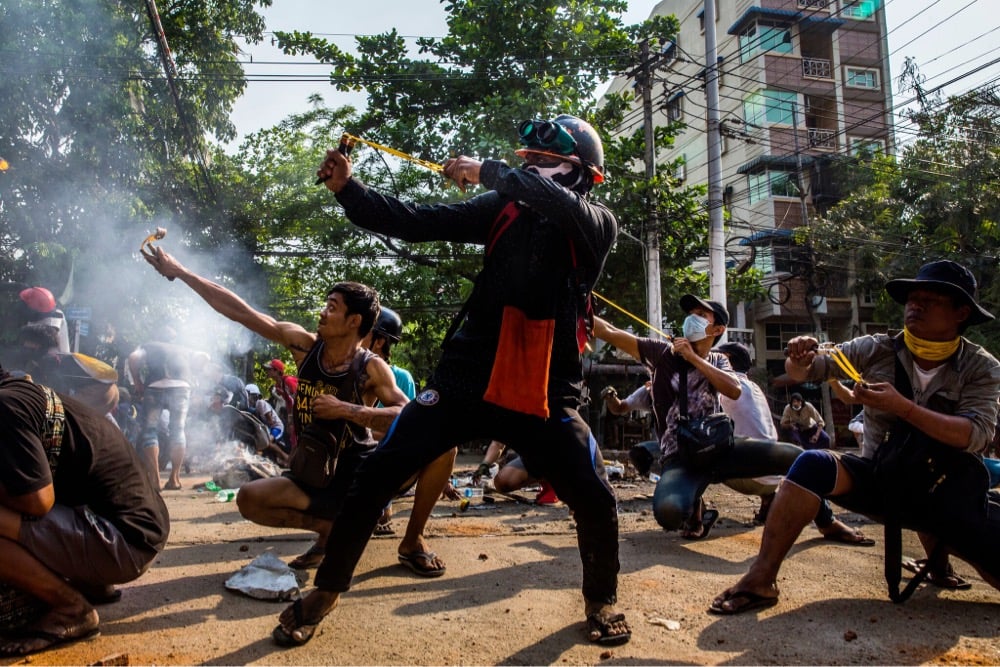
(974, 539)
(680, 488)
(803, 438)
(559, 449)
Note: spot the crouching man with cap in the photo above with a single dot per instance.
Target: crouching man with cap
(690, 362)
(927, 388)
(77, 513)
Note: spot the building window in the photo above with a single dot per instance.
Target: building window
(769, 106)
(858, 77)
(777, 334)
(675, 109)
(862, 10)
(866, 146)
(701, 16)
(814, 4)
(764, 38)
(771, 183)
(680, 168)
(669, 52)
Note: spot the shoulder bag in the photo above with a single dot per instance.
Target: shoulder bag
(314, 460)
(703, 441)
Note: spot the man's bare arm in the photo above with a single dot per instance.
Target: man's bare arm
(35, 503)
(381, 387)
(621, 339)
(231, 305)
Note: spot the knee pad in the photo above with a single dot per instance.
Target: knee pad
(815, 470)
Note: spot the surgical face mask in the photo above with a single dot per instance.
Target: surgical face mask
(796, 406)
(564, 173)
(694, 328)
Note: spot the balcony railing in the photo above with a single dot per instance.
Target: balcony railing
(814, 4)
(817, 67)
(822, 138)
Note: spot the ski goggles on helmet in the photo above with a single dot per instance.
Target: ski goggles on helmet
(548, 135)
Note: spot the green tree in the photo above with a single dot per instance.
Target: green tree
(506, 61)
(99, 150)
(939, 199)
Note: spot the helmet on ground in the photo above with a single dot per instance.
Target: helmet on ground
(389, 325)
(566, 137)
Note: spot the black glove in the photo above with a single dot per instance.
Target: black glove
(482, 471)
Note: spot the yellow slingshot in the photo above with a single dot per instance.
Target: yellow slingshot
(841, 360)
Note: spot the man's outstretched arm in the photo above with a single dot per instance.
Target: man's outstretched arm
(229, 304)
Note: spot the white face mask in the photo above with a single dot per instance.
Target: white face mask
(694, 328)
(565, 173)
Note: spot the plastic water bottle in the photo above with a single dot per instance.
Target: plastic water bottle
(225, 495)
(653, 477)
(212, 486)
(472, 492)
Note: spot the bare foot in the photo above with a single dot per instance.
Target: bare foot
(59, 626)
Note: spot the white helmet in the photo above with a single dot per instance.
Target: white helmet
(253, 389)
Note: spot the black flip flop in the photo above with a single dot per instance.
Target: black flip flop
(753, 601)
(708, 520)
(947, 580)
(285, 639)
(850, 537)
(52, 638)
(602, 624)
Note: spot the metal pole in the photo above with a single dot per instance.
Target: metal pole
(716, 236)
(799, 180)
(654, 307)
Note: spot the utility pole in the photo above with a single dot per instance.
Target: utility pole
(654, 305)
(716, 236)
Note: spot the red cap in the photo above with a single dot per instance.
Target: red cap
(38, 299)
(277, 365)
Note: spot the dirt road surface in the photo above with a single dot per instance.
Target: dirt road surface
(511, 596)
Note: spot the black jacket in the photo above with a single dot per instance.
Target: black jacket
(529, 264)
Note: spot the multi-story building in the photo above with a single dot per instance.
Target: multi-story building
(801, 82)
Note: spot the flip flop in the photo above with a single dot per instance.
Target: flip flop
(310, 559)
(412, 561)
(708, 520)
(99, 595)
(948, 580)
(751, 601)
(12, 648)
(384, 529)
(853, 537)
(286, 639)
(601, 623)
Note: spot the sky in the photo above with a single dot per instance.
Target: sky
(946, 37)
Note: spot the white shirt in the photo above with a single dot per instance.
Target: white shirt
(750, 412)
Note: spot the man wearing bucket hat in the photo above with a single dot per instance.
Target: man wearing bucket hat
(927, 384)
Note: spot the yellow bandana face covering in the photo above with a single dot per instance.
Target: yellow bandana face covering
(931, 350)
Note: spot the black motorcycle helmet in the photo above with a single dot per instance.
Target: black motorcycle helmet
(588, 150)
(388, 325)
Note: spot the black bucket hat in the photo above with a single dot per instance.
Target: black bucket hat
(689, 302)
(942, 275)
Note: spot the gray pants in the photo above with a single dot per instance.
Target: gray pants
(83, 547)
